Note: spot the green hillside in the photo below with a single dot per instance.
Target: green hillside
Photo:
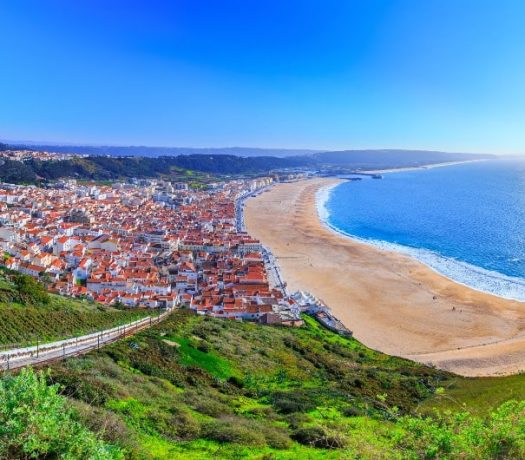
(29, 313)
(197, 387)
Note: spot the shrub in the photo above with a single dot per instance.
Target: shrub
(36, 423)
(235, 431)
(210, 407)
(83, 387)
(108, 425)
(204, 347)
(317, 436)
(352, 411)
(292, 401)
(30, 290)
(501, 435)
(236, 381)
(185, 427)
(276, 438)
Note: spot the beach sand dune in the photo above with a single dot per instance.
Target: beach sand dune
(392, 303)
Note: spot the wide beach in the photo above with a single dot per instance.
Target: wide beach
(393, 303)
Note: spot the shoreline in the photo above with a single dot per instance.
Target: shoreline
(422, 167)
(322, 196)
(390, 301)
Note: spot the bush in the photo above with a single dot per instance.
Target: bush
(83, 387)
(236, 381)
(501, 435)
(292, 401)
(204, 347)
(30, 290)
(185, 427)
(211, 407)
(108, 425)
(36, 423)
(352, 411)
(276, 438)
(316, 436)
(235, 431)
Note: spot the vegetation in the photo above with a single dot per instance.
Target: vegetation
(500, 435)
(196, 168)
(36, 422)
(478, 396)
(195, 387)
(186, 168)
(29, 313)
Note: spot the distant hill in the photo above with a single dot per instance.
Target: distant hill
(369, 157)
(390, 158)
(180, 167)
(144, 151)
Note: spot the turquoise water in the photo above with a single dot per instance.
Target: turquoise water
(465, 221)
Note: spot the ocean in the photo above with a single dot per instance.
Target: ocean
(465, 221)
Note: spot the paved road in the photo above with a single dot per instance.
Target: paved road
(274, 274)
(49, 352)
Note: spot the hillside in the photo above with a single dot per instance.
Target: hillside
(29, 313)
(392, 158)
(202, 168)
(145, 151)
(197, 387)
(187, 168)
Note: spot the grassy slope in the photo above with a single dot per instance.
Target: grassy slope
(58, 318)
(477, 395)
(195, 387)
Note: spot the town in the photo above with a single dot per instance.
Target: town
(146, 243)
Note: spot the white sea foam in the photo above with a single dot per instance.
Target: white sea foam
(475, 277)
(321, 198)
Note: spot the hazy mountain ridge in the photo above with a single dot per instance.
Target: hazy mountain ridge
(109, 167)
(145, 151)
(394, 157)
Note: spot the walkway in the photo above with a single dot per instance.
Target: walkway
(54, 351)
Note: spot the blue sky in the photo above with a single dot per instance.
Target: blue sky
(435, 74)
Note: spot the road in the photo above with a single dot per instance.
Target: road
(49, 352)
(274, 274)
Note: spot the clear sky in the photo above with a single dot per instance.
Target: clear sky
(435, 74)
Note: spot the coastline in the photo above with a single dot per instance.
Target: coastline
(392, 302)
(463, 273)
(417, 168)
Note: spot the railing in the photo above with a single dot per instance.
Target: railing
(54, 351)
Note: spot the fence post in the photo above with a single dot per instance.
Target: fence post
(37, 347)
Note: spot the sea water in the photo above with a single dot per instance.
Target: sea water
(465, 221)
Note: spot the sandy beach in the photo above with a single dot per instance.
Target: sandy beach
(391, 302)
